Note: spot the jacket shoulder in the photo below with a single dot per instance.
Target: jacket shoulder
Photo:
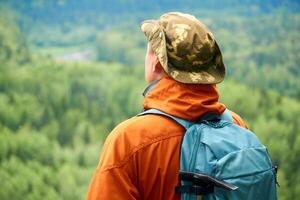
(135, 134)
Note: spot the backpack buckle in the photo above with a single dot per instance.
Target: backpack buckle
(194, 189)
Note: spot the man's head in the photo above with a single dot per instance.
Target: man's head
(184, 48)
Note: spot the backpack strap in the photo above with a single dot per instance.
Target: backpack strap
(182, 122)
(226, 115)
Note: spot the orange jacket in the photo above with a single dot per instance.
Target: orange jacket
(140, 157)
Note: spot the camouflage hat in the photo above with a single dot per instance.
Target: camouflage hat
(185, 48)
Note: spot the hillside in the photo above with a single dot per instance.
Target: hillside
(56, 113)
(258, 39)
(52, 144)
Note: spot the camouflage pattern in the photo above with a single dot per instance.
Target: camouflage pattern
(185, 48)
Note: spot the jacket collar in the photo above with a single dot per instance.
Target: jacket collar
(186, 101)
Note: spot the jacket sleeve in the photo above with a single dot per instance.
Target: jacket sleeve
(112, 184)
(114, 177)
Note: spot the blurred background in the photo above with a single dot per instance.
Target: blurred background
(71, 70)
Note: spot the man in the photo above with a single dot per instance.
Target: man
(140, 158)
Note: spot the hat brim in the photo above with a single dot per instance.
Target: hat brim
(157, 40)
(212, 73)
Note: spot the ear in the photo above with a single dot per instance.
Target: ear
(157, 66)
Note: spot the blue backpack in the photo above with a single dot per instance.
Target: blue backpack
(220, 160)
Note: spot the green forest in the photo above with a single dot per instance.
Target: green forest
(71, 71)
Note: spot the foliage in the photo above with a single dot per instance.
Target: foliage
(124, 46)
(262, 54)
(53, 119)
(12, 44)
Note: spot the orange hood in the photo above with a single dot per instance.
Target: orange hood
(186, 101)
